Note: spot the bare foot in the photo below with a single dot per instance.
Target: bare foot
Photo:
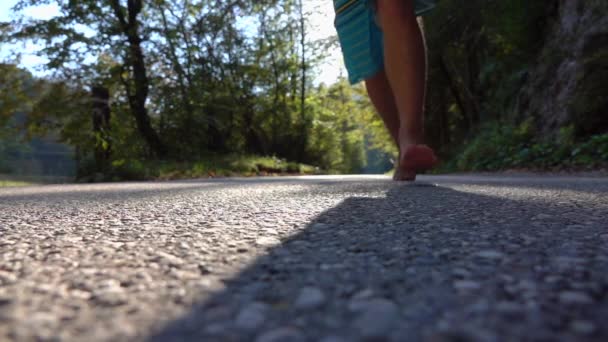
(413, 159)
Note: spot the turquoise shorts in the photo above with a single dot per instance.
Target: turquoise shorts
(361, 38)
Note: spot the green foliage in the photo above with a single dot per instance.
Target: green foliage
(589, 102)
(7, 183)
(341, 122)
(479, 55)
(7, 180)
(9, 145)
(210, 87)
(210, 166)
(129, 170)
(495, 146)
(504, 146)
(225, 79)
(17, 90)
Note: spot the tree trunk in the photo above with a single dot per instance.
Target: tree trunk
(100, 98)
(136, 62)
(177, 67)
(454, 89)
(276, 114)
(303, 118)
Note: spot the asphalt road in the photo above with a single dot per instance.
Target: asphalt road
(307, 259)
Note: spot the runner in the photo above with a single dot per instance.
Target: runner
(383, 45)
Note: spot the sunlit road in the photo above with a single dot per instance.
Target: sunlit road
(307, 259)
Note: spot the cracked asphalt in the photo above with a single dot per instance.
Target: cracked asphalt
(449, 258)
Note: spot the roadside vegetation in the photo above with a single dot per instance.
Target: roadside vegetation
(508, 147)
(7, 180)
(7, 183)
(205, 89)
(211, 167)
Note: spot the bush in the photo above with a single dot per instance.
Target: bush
(500, 147)
(209, 166)
(130, 170)
(496, 147)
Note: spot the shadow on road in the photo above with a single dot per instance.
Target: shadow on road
(457, 265)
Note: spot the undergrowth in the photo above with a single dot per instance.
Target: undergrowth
(503, 146)
(211, 166)
(7, 183)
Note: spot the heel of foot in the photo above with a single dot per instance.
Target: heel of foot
(418, 158)
(404, 175)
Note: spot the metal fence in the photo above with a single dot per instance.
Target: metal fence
(40, 157)
(43, 164)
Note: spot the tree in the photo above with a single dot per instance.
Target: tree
(118, 31)
(229, 76)
(134, 60)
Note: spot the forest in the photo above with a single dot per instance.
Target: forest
(188, 88)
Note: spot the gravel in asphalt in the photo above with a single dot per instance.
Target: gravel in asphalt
(307, 259)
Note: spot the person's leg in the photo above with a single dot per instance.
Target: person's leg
(405, 67)
(381, 96)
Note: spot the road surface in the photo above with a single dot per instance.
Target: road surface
(449, 258)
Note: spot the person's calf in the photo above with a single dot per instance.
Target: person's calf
(381, 96)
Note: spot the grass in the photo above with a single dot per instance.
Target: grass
(7, 183)
(7, 180)
(506, 147)
(210, 167)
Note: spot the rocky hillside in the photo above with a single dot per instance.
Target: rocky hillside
(569, 83)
